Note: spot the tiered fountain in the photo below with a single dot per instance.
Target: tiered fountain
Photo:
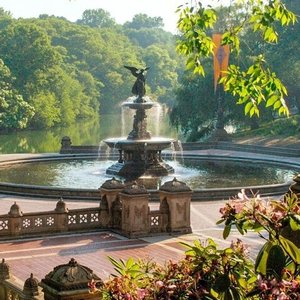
(139, 153)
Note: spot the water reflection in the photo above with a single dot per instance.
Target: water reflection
(86, 132)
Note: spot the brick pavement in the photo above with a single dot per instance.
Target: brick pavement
(40, 255)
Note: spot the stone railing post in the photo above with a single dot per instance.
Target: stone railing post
(177, 195)
(135, 211)
(70, 282)
(15, 220)
(31, 290)
(109, 191)
(61, 211)
(66, 145)
(4, 275)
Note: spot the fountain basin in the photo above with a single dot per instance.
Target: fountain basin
(90, 191)
(140, 157)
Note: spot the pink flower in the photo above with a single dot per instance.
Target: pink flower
(127, 296)
(159, 284)
(142, 293)
(282, 296)
(242, 195)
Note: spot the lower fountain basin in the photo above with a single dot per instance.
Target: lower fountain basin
(80, 176)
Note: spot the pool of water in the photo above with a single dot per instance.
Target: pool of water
(198, 174)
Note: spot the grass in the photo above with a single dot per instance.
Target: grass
(284, 127)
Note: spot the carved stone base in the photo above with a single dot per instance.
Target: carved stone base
(132, 169)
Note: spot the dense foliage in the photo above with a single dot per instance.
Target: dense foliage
(64, 71)
(263, 40)
(209, 273)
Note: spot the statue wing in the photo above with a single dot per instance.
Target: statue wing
(133, 70)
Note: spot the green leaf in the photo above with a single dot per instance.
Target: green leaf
(292, 250)
(226, 231)
(248, 107)
(262, 256)
(271, 100)
(295, 225)
(276, 260)
(222, 283)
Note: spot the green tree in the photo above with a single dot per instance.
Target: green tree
(98, 18)
(140, 21)
(15, 113)
(26, 49)
(162, 77)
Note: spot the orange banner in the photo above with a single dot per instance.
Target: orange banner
(221, 58)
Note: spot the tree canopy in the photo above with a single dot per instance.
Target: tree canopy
(262, 64)
(254, 84)
(67, 71)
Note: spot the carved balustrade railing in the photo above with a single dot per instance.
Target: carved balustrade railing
(158, 221)
(49, 222)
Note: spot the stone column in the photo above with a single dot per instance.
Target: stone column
(135, 211)
(61, 215)
(4, 271)
(31, 289)
(109, 191)
(178, 197)
(66, 145)
(4, 275)
(15, 220)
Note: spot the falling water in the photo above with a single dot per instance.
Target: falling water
(123, 120)
(179, 148)
(173, 154)
(104, 151)
(176, 148)
(158, 111)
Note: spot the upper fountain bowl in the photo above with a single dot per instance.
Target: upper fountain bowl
(135, 102)
(153, 144)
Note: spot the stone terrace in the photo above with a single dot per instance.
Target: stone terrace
(40, 255)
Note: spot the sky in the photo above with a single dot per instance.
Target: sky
(120, 10)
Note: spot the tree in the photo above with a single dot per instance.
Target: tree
(254, 84)
(15, 113)
(98, 18)
(140, 21)
(25, 48)
(4, 13)
(162, 76)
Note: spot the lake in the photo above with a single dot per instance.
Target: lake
(85, 132)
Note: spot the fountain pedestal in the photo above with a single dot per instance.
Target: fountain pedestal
(139, 154)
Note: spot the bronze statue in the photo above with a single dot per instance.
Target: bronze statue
(139, 85)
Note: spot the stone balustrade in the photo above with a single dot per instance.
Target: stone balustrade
(124, 209)
(16, 223)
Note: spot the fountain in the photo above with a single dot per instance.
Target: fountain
(139, 153)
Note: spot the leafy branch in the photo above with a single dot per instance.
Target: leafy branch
(255, 85)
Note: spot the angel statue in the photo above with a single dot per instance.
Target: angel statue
(139, 85)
